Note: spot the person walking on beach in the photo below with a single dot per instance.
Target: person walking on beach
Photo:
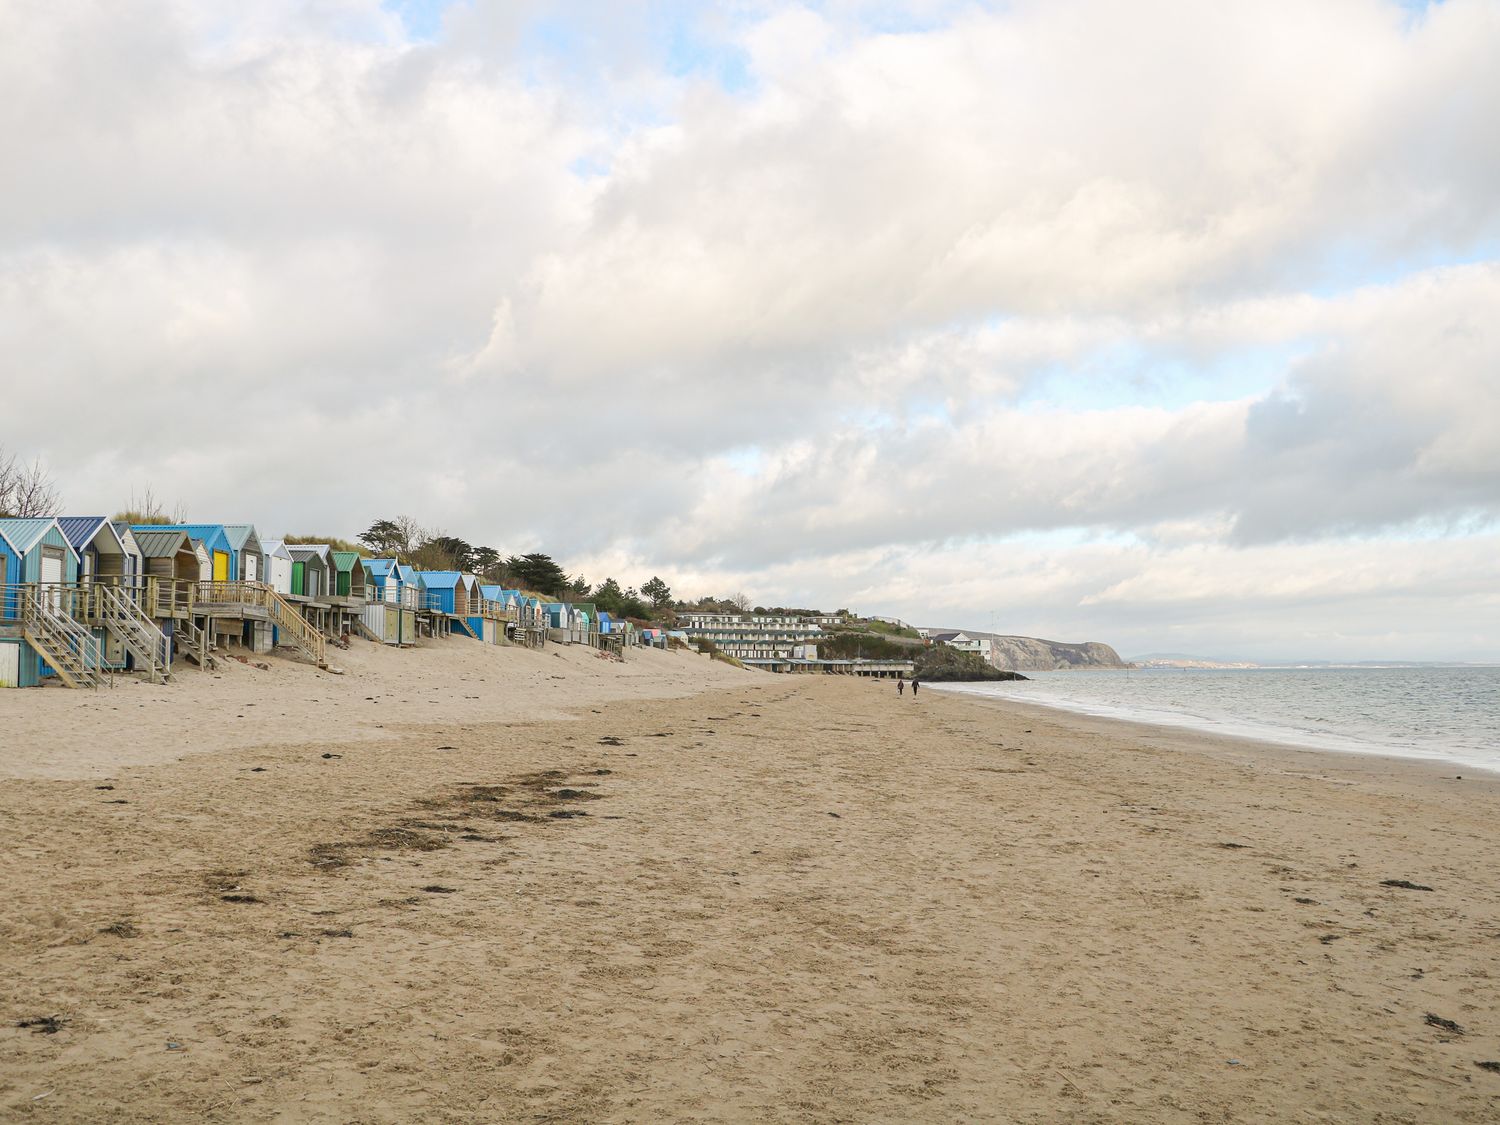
(915, 683)
(900, 684)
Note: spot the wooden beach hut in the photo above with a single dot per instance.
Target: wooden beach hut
(105, 553)
(223, 565)
(170, 563)
(111, 596)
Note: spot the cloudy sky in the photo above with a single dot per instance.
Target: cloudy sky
(1169, 324)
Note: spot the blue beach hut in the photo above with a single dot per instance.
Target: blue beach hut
(33, 553)
(381, 578)
(445, 588)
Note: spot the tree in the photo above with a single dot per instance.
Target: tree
(578, 588)
(487, 563)
(741, 602)
(538, 572)
(658, 591)
(610, 598)
(384, 537)
(26, 490)
(460, 554)
(398, 537)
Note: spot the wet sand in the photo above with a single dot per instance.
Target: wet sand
(757, 898)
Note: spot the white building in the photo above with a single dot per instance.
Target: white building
(751, 636)
(985, 647)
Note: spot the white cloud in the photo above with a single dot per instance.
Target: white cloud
(296, 268)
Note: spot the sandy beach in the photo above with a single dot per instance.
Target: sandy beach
(473, 884)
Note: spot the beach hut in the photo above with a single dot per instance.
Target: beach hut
(449, 595)
(409, 589)
(310, 568)
(111, 595)
(385, 614)
(38, 638)
(170, 564)
(38, 551)
(278, 562)
(249, 552)
(104, 553)
(456, 596)
(585, 622)
(474, 614)
(223, 565)
(381, 581)
(348, 576)
(205, 560)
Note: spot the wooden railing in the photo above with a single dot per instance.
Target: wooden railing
(293, 629)
(496, 611)
(168, 597)
(69, 649)
(117, 607)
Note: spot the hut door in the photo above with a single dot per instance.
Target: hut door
(221, 567)
(299, 575)
(250, 564)
(52, 576)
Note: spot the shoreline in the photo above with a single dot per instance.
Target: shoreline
(1350, 746)
(1303, 761)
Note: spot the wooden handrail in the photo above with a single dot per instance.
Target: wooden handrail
(281, 612)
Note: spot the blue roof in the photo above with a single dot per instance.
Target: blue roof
(79, 530)
(23, 534)
(493, 593)
(380, 568)
(207, 532)
(441, 579)
(239, 534)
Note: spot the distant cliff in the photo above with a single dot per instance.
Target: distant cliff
(1031, 654)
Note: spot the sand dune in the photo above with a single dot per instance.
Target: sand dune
(722, 896)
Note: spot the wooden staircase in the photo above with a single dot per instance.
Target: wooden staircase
(69, 649)
(463, 623)
(197, 645)
(122, 615)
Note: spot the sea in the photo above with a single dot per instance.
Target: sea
(1431, 712)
